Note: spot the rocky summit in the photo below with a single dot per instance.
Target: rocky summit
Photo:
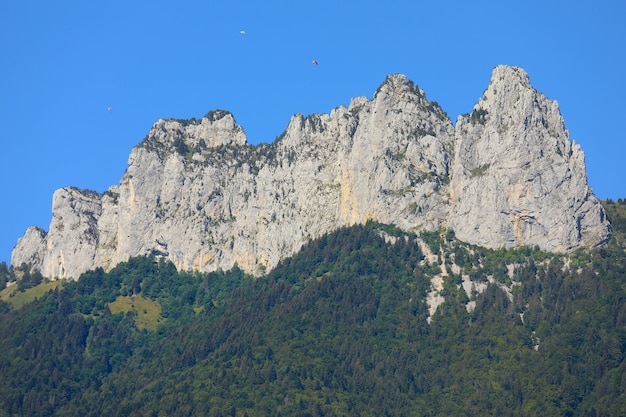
(197, 193)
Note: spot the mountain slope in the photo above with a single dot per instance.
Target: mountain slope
(344, 327)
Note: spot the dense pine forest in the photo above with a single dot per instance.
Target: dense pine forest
(345, 327)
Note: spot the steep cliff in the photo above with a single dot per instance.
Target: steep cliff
(197, 193)
(517, 178)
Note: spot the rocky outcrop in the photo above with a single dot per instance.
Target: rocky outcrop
(517, 178)
(196, 193)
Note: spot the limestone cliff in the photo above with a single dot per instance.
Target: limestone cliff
(517, 178)
(197, 193)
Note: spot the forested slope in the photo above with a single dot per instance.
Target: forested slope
(342, 328)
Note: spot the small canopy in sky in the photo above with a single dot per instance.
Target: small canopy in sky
(243, 32)
(109, 108)
(314, 62)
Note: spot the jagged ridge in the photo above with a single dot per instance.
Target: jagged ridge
(197, 193)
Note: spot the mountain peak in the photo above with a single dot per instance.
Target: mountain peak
(506, 74)
(395, 81)
(398, 85)
(216, 128)
(519, 176)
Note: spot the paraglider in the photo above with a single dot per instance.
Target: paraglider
(109, 108)
(242, 32)
(314, 62)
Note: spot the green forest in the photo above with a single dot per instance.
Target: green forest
(342, 328)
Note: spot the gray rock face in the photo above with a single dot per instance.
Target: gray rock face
(196, 193)
(517, 179)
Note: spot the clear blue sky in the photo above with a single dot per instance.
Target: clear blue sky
(63, 63)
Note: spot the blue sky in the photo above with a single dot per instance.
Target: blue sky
(63, 63)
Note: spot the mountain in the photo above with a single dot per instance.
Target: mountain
(196, 193)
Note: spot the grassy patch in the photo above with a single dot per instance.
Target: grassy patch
(147, 312)
(19, 298)
(479, 171)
